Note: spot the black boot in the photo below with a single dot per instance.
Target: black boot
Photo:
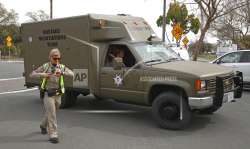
(43, 130)
(54, 140)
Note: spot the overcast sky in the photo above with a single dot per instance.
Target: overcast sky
(148, 9)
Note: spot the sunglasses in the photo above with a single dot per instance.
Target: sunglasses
(56, 58)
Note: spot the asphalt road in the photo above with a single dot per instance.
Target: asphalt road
(109, 125)
(10, 69)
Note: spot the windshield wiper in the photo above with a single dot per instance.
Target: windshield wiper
(173, 59)
(154, 60)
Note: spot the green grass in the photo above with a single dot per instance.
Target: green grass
(208, 57)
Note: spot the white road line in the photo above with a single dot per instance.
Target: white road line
(9, 79)
(18, 91)
(12, 61)
(106, 111)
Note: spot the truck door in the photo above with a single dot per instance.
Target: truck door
(123, 84)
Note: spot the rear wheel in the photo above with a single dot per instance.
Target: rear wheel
(171, 111)
(68, 99)
(98, 98)
(74, 96)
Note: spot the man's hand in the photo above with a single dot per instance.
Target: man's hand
(47, 75)
(58, 74)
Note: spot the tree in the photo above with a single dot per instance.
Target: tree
(212, 10)
(39, 15)
(178, 13)
(235, 26)
(205, 47)
(8, 26)
(7, 17)
(13, 31)
(244, 43)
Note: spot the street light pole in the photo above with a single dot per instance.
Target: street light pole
(51, 9)
(164, 21)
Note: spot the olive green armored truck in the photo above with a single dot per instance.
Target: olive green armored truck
(119, 57)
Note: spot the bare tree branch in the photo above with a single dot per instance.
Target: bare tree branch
(202, 7)
(228, 11)
(7, 17)
(215, 9)
(39, 15)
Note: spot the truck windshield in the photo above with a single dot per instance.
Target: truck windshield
(156, 53)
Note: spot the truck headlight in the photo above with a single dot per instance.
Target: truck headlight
(200, 85)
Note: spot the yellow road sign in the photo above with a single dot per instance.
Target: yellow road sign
(177, 31)
(9, 39)
(185, 41)
(9, 44)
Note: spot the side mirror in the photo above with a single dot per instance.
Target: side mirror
(219, 62)
(118, 63)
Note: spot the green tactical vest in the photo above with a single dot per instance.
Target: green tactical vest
(61, 79)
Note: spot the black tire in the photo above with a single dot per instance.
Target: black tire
(74, 96)
(98, 98)
(42, 94)
(209, 110)
(166, 111)
(68, 99)
(85, 94)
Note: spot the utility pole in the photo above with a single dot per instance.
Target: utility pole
(51, 9)
(164, 21)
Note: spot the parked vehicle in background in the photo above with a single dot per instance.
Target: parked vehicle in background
(239, 61)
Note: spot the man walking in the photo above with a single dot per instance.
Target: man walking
(52, 88)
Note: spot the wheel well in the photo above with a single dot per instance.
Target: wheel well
(158, 89)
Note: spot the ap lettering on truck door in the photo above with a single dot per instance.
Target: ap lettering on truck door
(80, 78)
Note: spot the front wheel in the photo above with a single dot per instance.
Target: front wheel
(171, 111)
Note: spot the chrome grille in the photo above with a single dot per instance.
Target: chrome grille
(227, 83)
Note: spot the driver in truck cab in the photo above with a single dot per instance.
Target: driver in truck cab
(115, 54)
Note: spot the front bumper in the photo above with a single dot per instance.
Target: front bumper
(200, 103)
(205, 102)
(220, 97)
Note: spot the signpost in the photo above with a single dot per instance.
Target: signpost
(9, 43)
(185, 41)
(164, 21)
(177, 31)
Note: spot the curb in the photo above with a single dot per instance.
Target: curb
(11, 61)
